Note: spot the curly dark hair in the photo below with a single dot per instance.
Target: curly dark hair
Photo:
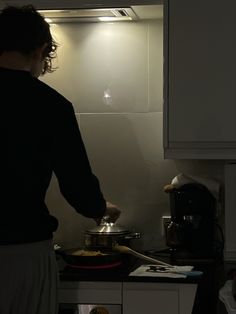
(24, 29)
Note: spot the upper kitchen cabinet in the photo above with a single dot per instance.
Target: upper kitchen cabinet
(200, 79)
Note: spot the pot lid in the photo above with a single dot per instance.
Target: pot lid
(108, 228)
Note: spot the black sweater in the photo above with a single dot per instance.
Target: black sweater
(40, 135)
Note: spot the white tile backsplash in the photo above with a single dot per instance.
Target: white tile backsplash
(127, 158)
(110, 67)
(155, 84)
(125, 151)
(123, 132)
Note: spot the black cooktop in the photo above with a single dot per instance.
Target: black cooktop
(115, 272)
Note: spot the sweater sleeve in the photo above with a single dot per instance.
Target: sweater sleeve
(77, 183)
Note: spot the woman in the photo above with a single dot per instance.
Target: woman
(39, 136)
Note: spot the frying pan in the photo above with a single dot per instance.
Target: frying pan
(108, 260)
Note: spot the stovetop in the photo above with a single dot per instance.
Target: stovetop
(120, 272)
(116, 273)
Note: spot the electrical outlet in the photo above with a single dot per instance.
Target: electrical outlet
(165, 222)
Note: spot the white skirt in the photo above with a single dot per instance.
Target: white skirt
(28, 279)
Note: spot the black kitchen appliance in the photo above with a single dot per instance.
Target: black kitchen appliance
(192, 226)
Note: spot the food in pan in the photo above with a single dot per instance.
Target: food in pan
(87, 253)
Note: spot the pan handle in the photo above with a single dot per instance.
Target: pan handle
(127, 250)
(133, 235)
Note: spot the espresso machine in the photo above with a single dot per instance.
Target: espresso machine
(193, 214)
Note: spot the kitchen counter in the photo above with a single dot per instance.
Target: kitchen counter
(201, 291)
(119, 274)
(114, 288)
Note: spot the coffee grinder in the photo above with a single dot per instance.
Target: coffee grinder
(193, 213)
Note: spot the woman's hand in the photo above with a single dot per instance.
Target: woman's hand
(111, 214)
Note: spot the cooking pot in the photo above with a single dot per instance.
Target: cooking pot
(108, 234)
(102, 238)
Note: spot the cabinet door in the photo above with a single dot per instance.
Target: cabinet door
(90, 292)
(150, 298)
(200, 79)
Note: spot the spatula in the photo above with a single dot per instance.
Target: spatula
(127, 250)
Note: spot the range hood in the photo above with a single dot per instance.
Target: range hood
(89, 15)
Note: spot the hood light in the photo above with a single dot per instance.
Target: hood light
(112, 19)
(89, 15)
(48, 20)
